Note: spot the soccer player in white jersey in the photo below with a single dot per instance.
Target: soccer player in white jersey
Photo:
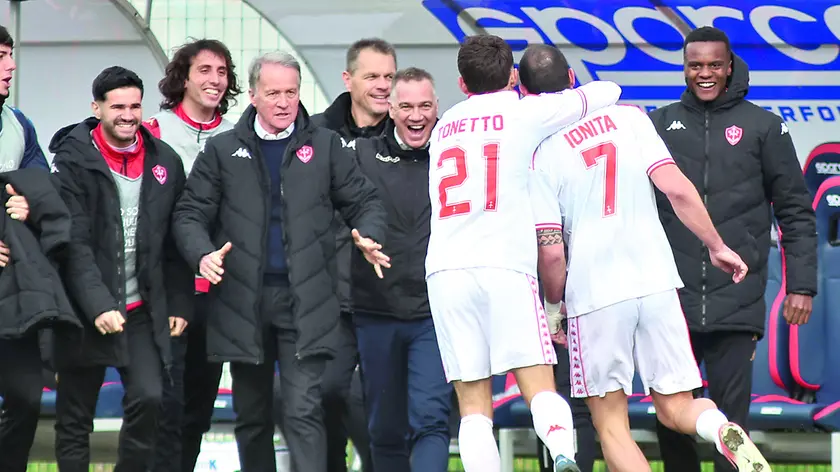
(481, 264)
(592, 189)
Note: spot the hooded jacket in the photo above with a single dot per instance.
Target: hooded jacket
(94, 272)
(227, 199)
(742, 161)
(339, 118)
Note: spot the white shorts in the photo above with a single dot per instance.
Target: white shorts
(488, 321)
(648, 334)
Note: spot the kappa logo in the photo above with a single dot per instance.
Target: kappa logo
(675, 125)
(241, 152)
(833, 200)
(53, 168)
(734, 134)
(305, 153)
(785, 129)
(348, 144)
(160, 173)
(392, 160)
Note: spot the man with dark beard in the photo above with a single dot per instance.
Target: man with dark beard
(199, 86)
(123, 274)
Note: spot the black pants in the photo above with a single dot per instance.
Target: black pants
(21, 383)
(78, 391)
(728, 359)
(406, 394)
(188, 401)
(587, 448)
(344, 409)
(300, 383)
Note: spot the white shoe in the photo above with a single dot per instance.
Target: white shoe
(739, 449)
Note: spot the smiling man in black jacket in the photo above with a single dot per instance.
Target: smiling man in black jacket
(123, 272)
(406, 394)
(360, 112)
(742, 161)
(256, 221)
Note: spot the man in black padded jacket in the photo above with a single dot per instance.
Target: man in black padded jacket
(742, 161)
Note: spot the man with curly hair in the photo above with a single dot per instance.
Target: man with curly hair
(199, 86)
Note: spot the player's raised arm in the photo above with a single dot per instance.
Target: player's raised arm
(548, 113)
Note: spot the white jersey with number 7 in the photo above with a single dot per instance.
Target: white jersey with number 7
(592, 180)
(480, 155)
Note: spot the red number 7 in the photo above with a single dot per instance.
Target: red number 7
(491, 157)
(591, 156)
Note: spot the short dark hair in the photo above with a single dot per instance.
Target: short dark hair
(376, 44)
(6, 38)
(707, 34)
(543, 69)
(112, 78)
(177, 72)
(484, 62)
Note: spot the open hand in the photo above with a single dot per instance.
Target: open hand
(730, 262)
(371, 250)
(211, 264)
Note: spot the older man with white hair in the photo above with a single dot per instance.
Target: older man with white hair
(255, 220)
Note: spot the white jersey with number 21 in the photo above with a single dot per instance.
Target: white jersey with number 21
(592, 180)
(480, 155)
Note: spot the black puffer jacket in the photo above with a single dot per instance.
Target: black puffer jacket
(338, 118)
(401, 178)
(32, 296)
(227, 199)
(741, 158)
(94, 273)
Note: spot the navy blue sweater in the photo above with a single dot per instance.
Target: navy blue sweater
(273, 152)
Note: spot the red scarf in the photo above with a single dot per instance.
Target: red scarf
(127, 163)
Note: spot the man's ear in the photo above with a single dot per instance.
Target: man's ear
(571, 78)
(97, 112)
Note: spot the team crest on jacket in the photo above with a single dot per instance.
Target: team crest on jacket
(305, 153)
(734, 134)
(160, 173)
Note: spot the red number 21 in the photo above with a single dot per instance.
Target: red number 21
(591, 157)
(459, 155)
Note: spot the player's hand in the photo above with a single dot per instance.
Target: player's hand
(730, 262)
(797, 308)
(371, 250)
(5, 254)
(211, 264)
(177, 325)
(560, 338)
(16, 206)
(109, 322)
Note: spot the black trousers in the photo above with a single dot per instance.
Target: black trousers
(587, 447)
(188, 401)
(21, 383)
(300, 383)
(78, 391)
(728, 359)
(343, 402)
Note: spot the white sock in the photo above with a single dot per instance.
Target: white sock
(553, 424)
(477, 445)
(708, 426)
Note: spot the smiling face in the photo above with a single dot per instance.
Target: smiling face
(120, 114)
(414, 109)
(708, 64)
(207, 81)
(369, 83)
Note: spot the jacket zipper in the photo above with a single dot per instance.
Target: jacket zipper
(704, 265)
